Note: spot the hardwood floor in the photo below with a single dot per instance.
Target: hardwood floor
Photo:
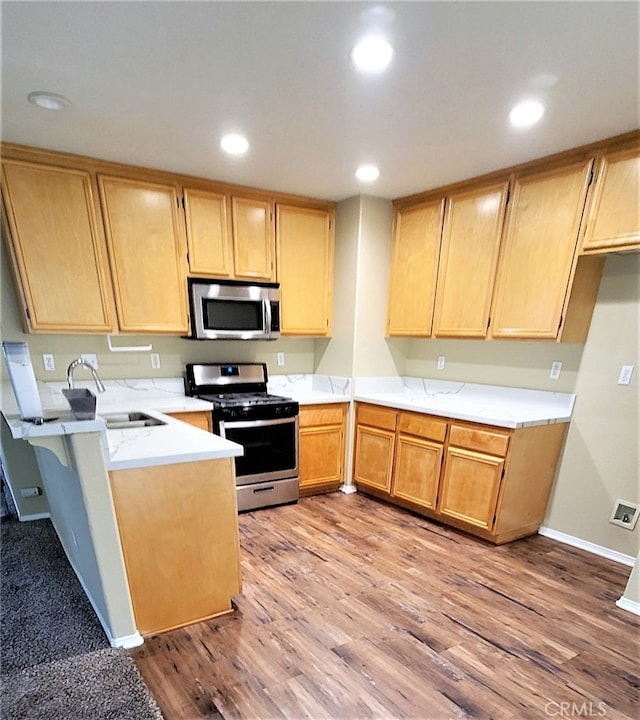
(356, 609)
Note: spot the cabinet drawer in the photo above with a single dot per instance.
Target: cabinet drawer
(321, 415)
(422, 426)
(377, 417)
(486, 441)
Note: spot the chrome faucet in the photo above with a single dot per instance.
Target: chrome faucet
(89, 366)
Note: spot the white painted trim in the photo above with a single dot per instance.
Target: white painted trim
(348, 488)
(34, 516)
(631, 605)
(588, 546)
(127, 641)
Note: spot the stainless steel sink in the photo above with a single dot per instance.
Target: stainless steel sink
(121, 421)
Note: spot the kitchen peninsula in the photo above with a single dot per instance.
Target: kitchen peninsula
(146, 515)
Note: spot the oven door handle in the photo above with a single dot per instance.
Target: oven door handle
(256, 423)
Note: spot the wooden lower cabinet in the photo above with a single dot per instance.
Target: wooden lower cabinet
(492, 482)
(418, 459)
(198, 418)
(470, 486)
(375, 443)
(178, 527)
(322, 446)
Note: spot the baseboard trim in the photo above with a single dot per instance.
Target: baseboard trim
(631, 605)
(600, 550)
(34, 516)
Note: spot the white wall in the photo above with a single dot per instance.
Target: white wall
(601, 460)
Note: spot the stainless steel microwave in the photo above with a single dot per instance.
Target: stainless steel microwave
(229, 310)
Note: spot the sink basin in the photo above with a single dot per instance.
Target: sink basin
(120, 421)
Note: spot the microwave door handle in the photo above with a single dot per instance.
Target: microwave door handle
(266, 315)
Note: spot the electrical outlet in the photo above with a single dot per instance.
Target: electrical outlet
(30, 492)
(91, 358)
(625, 375)
(49, 362)
(155, 360)
(440, 362)
(280, 358)
(555, 370)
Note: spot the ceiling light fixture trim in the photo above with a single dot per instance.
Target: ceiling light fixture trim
(367, 173)
(48, 100)
(526, 113)
(372, 54)
(234, 144)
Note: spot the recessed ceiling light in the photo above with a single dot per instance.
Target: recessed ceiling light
(372, 55)
(48, 100)
(367, 173)
(526, 113)
(234, 144)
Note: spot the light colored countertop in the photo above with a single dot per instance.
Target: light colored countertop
(487, 404)
(175, 442)
(308, 389)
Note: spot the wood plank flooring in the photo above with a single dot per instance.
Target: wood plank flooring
(352, 608)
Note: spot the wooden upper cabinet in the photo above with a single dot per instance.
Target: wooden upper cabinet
(414, 267)
(57, 248)
(253, 239)
(468, 260)
(613, 217)
(209, 236)
(537, 253)
(146, 247)
(304, 242)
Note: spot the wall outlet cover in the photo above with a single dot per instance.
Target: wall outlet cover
(48, 362)
(556, 367)
(625, 375)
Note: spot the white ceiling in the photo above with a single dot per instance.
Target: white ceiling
(157, 83)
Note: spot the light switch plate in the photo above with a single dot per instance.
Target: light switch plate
(280, 358)
(440, 362)
(91, 358)
(155, 360)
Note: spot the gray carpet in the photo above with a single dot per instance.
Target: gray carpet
(56, 660)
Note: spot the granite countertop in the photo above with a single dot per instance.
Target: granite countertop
(488, 404)
(174, 442)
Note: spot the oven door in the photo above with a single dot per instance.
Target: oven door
(270, 448)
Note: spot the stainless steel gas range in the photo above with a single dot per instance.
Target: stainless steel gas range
(265, 425)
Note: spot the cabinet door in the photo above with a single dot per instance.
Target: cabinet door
(470, 486)
(417, 470)
(147, 255)
(304, 241)
(374, 458)
(537, 252)
(57, 248)
(253, 239)
(208, 233)
(468, 261)
(414, 266)
(322, 433)
(321, 453)
(614, 213)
